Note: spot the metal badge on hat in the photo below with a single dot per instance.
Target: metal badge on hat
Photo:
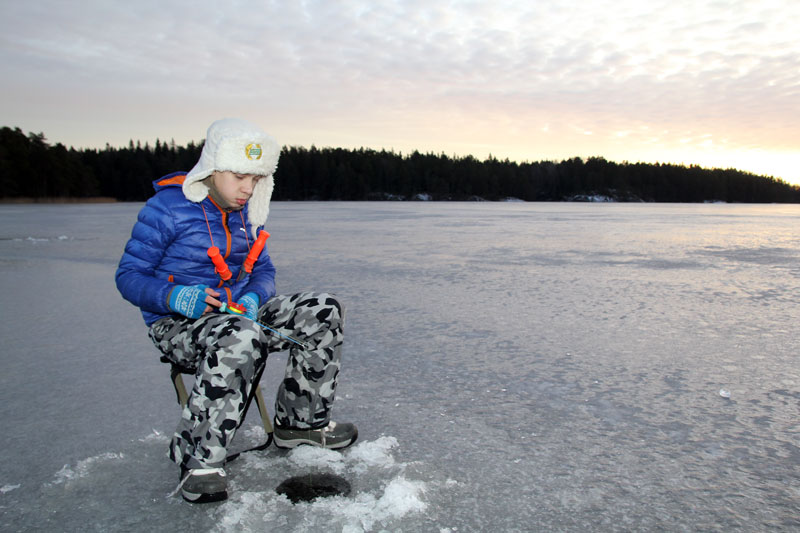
(253, 151)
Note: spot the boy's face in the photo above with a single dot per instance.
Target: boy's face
(232, 190)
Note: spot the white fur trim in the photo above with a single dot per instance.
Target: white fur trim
(258, 205)
(242, 147)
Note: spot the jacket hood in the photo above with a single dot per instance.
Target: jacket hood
(242, 147)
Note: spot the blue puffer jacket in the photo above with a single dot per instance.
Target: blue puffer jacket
(168, 247)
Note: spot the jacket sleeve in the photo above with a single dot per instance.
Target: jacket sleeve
(136, 280)
(262, 279)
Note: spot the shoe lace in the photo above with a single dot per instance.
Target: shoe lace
(195, 472)
(331, 425)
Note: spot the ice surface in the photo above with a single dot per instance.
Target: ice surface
(511, 367)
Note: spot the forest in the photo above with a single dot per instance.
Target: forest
(33, 170)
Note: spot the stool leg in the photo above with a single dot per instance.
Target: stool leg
(180, 388)
(262, 410)
(183, 398)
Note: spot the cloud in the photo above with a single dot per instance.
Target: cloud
(402, 69)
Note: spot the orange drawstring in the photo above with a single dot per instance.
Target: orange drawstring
(208, 225)
(216, 257)
(220, 266)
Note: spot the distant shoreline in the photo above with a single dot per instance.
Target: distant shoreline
(578, 199)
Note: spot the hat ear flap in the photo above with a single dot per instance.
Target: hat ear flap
(196, 190)
(258, 205)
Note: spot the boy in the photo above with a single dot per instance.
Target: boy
(186, 263)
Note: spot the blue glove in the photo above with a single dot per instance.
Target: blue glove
(250, 303)
(188, 300)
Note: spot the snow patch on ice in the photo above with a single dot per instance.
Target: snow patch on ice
(154, 436)
(8, 488)
(400, 497)
(376, 453)
(309, 456)
(254, 432)
(36, 240)
(382, 491)
(249, 505)
(359, 458)
(82, 468)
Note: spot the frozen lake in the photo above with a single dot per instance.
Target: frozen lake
(511, 367)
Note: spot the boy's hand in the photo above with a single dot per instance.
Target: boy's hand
(250, 303)
(193, 300)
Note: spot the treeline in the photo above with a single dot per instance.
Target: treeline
(31, 168)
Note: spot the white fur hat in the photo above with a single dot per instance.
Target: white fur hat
(238, 146)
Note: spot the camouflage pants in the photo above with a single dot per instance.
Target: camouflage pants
(226, 352)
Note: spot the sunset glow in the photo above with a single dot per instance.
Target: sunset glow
(706, 83)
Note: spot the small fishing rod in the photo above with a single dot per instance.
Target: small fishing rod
(224, 272)
(237, 309)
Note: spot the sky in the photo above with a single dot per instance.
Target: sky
(712, 83)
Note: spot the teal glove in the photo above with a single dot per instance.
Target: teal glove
(188, 300)
(250, 303)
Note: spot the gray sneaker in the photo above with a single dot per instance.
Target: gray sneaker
(204, 485)
(333, 436)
